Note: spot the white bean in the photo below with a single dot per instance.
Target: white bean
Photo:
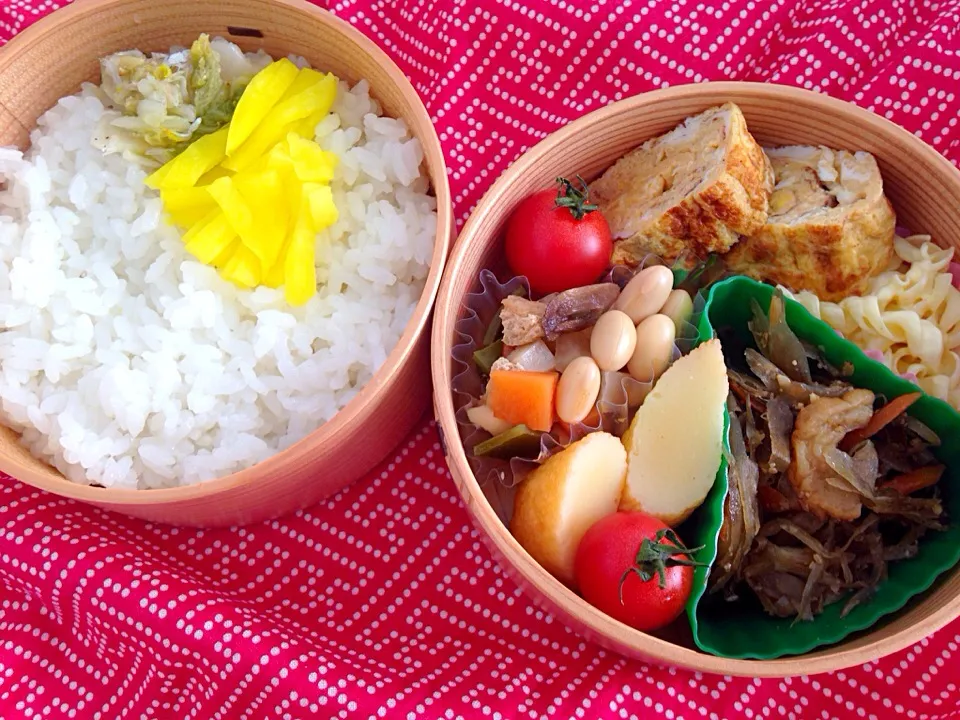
(577, 390)
(646, 293)
(678, 307)
(654, 351)
(613, 340)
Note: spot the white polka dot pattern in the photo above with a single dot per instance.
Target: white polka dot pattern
(382, 602)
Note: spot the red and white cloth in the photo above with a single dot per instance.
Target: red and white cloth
(382, 602)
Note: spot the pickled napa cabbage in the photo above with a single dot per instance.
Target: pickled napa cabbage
(159, 104)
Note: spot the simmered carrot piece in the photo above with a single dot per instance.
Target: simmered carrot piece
(881, 418)
(917, 480)
(521, 397)
(772, 500)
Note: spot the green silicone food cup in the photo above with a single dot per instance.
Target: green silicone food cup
(741, 629)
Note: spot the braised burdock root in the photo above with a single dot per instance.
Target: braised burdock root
(827, 482)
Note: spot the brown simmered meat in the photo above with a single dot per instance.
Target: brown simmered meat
(819, 428)
(504, 364)
(522, 320)
(525, 321)
(578, 308)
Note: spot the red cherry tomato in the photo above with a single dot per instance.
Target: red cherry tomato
(558, 240)
(613, 555)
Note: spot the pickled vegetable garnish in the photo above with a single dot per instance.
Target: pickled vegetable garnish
(254, 194)
(161, 103)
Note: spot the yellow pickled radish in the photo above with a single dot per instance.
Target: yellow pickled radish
(224, 257)
(300, 271)
(265, 195)
(208, 243)
(274, 278)
(242, 268)
(307, 77)
(201, 224)
(279, 156)
(234, 205)
(156, 178)
(274, 127)
(254, 213)
(187, 206)
(308, 128)
(188, 167)
(258, 98)
(215, 174)
(319, 198)
(310, 162)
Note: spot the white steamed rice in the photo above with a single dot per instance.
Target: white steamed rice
(126, 363)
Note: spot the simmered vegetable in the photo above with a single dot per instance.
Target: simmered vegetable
(521, 397)
(517, 441)
(482, 416)
(562, 498)
(675, 441)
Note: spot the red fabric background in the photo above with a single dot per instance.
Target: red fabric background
(382, 602)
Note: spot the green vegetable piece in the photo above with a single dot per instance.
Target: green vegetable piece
(494, 330)
(701, 277)
(518, 441)
(486, 356)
